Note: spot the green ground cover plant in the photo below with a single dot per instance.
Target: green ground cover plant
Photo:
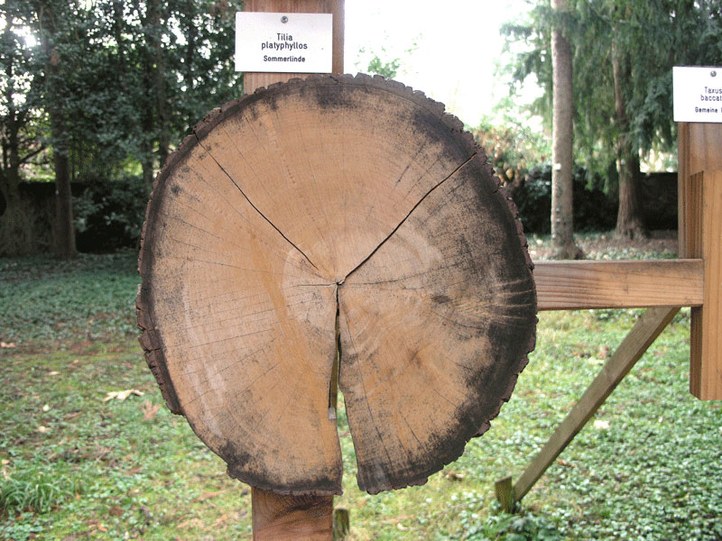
(89, 451)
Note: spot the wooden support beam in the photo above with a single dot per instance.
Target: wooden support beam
(252, 80)
(703, 237)
(642, 335)
(575, 285)
(700, 236)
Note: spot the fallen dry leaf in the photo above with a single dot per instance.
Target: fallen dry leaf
(452, 475)
(8, 345)
(150, 410)
(122, 395)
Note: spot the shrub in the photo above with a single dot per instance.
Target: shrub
(109, 214)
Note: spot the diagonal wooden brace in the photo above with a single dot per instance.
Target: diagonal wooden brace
(695, 281)
(642, 335)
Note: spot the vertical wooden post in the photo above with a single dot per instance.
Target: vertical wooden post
(700, 236)
(341, 523)
(278, 517)
(505, 494)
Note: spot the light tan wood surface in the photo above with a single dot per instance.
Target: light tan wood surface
(334, 214)
(278, 517)
(576, 285)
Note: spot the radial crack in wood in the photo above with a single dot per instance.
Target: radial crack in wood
(337, 231)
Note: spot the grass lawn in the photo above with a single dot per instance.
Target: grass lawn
(79, 462)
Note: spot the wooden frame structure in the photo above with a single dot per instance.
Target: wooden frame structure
(661, 286)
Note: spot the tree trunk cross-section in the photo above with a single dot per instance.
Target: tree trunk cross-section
(335, 218)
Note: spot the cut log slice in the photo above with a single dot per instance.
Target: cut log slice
(335, 218)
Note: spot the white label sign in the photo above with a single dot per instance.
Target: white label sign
(284, 42)
(697, 94)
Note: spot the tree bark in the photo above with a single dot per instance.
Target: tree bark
(191, 35)
(65, 247)
(629, 221)
(562, 212)
(154, 113)
(334, 218)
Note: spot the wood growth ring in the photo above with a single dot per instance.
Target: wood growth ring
(335, 230)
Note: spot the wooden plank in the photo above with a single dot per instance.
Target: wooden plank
(642, 335)
(574, 285)
(699, 146)
(279, 517)
(253, 80)
(705, 338)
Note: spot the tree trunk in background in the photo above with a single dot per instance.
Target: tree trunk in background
(191, 33)
(17, 226)
(629, 222)
(146, 144)
(64, 229)
(154, 117)
(10, 175)
(157, 64)
(10, 178)
(562, 214)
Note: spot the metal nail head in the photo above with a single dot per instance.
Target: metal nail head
(284, 19)
(714, 73)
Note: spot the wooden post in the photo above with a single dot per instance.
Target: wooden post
(505, 494)
(277, 516)
(700, 236)
(341, 524)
